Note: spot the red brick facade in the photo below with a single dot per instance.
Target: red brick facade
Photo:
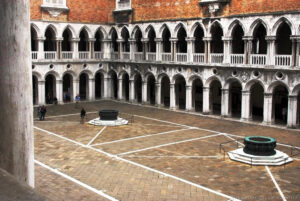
(100, 11)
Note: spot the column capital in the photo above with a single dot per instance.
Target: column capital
(268, 95)
(190, 39)
(158, 39)
(120, 40)
(92, 39)
(246, 92)
(270, 38)
(75, 39)
(295, 38)
(145, 40)
(293, 97)
(225, 90)
(106, 40)
(226, 38)
(205, 88)
(91, 79)
(132, 40)
(172, 84)
(248, 38)
(59, 39)
(41, 81)
(157, 84)
(173, 39)
(188, 86)
(207, 38)
(41, 38)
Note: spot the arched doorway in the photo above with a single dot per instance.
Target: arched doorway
(99, 78)
(180, 92)
(35, 95)
(83, 86)
(50, 88)
(280, 104)
(165, 91)
(67, 88)
(215, 95)
(138, 87)
(125, 86)
(197, 95)
(151, 89)
(257, 102)
(235, 99)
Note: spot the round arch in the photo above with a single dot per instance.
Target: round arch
(231, 80)
(211, 79)
(251, 82)
(274, 84)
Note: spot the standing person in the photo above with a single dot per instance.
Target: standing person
(284, 113)
(82, 115)
(43, 112)
(77, 99)
(39, 112)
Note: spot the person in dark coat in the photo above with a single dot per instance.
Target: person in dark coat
(82, 115)
(43, 112)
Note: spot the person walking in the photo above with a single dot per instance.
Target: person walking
(39, 112)
(43, 112)
(82, 115)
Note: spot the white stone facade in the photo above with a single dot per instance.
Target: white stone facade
(246, 85)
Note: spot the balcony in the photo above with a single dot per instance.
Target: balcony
(237, 59)
(216, 58)
(50, 55)
(258, 59)
(114, 56)
(123, 4)
(67, 55)
(98, 55)
(166, 56)
(126, 55)
(34, 55)
(283, 60)
(138, 56)
(55, 7)
(151, 56)
(198, 58)
(84, 55)
(181, 57)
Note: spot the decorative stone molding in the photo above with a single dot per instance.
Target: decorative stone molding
(213, 5)
(54, 10)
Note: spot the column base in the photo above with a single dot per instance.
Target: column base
(267, 122)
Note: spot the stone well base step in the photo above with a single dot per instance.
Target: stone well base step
(279, 158)
(118, 122)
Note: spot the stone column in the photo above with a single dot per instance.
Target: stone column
(120, 44)
(75, 42)
(227, 42)
(91, 89)
(131, 91)
(132, 48)
(172, 97)
(41, 47)
(41, 92)
(268, 106)
(120, 91)
(207, 42)
(271, 50)
(188, 98)
(59, 91)
(173, 48)
(16, 138)
(225, 103)
(246, 116)
(92, 43)
(145, 47)
(158, 48)
(297, 62)
(190, 49)
(145, 92)
(158, 94)
(58, 47)
(248, 48)
(75, 88)
(106, 87)
(206, 103)
(292, 112)
(107, 49)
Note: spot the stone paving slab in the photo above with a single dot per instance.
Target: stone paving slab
(121, 180)
(57, 188)
(140, 143)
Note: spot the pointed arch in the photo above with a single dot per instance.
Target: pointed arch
(87, 30)
(70, 29)
(135, 30)
(214, 24)
(279, 22)
(102, 31)
(177, 28)
(194, 28)
(256, 24)
(162, 28)
(36, 29)
(233, 24)
(52, 28)
(148, 29)
(111, 31)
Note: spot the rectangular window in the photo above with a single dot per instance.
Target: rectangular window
(123, 4)
(55, 3)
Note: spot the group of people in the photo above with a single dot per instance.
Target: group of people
(42, 112)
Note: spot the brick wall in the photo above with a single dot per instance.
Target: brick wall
(100, 11)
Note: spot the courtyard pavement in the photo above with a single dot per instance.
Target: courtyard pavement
(160, 155)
